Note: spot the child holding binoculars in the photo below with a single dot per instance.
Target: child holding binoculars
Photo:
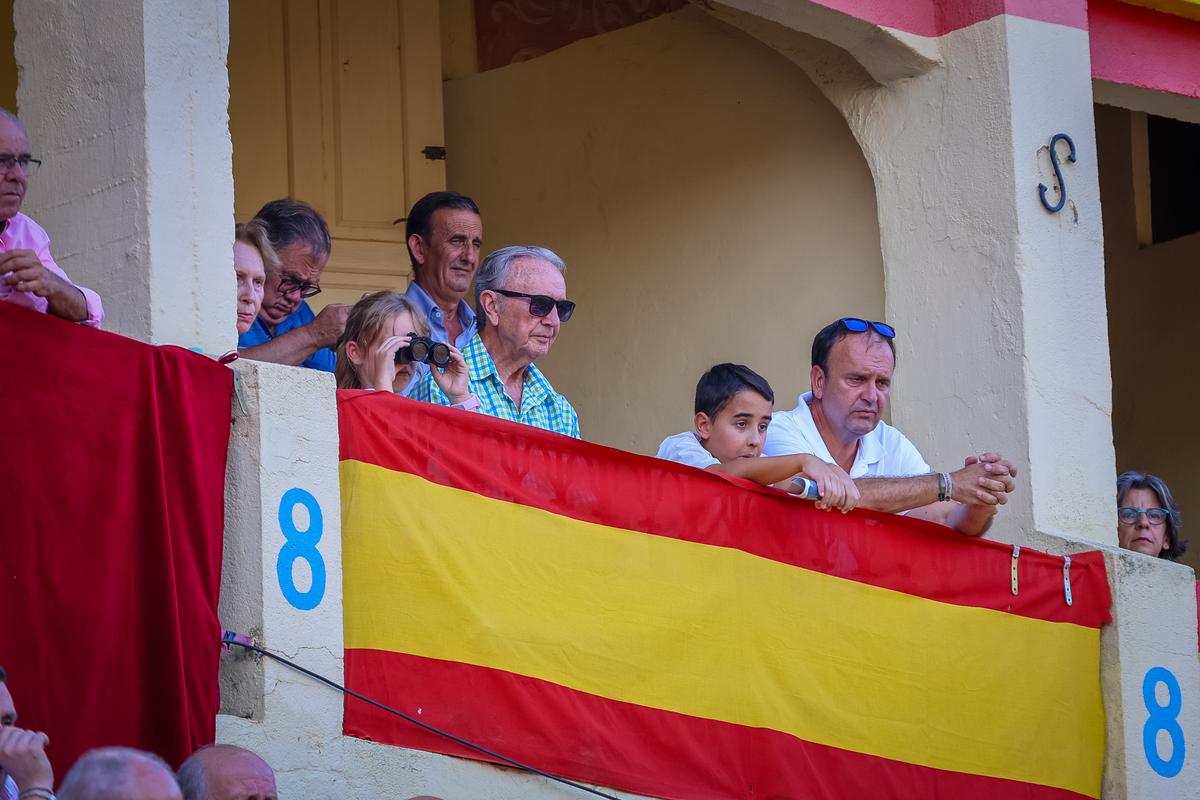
(376, 351)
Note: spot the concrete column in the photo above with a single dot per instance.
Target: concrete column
(999, 303)
(126, 102)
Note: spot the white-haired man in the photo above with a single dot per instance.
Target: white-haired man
(226, 772)
(28, 275)
(520, 304)
(109, 773)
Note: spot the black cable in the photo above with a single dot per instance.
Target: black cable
(415, 721)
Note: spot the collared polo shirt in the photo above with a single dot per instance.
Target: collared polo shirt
(22, 233)
(883, 453)
(324, 359)
(437, 319)
(685, 448)
(437, 327)
(541, 406)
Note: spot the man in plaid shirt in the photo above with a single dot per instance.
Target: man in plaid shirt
(520, 302)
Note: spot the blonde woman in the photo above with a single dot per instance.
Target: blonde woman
(381, 324)
(253, 257)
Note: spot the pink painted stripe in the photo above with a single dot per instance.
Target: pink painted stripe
(1143, 47)
(939, 17)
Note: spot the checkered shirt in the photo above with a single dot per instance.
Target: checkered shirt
(541, 406)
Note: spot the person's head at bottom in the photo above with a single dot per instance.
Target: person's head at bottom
(1148, 518)
(119, 773)
(226, 772)
(733, 410)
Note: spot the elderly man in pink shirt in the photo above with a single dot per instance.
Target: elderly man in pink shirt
(28, 275)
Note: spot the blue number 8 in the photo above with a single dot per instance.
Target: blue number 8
(302, 545)
(1163, 718)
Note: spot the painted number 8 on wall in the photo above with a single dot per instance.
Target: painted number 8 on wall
(1163, 718)
(302, 546)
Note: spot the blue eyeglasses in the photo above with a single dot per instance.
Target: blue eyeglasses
(860, 325)
(1130, 515)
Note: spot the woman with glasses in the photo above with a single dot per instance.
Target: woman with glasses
(1148, 518)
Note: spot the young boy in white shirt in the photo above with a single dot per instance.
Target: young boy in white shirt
(733, 410)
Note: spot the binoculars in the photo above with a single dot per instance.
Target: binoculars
(424, 350)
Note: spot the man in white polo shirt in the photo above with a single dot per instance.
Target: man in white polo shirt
(839, 422)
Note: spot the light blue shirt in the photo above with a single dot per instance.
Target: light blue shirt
(437, 320)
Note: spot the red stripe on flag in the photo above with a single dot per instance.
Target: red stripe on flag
(525, 465)
(631, 747)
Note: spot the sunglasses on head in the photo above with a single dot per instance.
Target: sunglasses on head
(857, 325)
(541, 305)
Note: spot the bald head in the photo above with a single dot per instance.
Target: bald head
(225, 772)
(119, 773)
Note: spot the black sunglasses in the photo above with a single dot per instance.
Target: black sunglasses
(860, 325)
(540, 305)
(288, 285)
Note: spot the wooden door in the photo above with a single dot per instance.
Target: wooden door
(333, 102)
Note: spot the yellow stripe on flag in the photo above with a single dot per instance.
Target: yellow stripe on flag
(717, 633)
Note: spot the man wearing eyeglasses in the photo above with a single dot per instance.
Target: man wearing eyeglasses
(839, 421)
(520, 304)
(287, 331)
(28, 275)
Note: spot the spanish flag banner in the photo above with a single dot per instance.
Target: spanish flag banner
(651, 627)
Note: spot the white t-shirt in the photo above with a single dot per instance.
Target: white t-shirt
(685, 448)
(883, 453)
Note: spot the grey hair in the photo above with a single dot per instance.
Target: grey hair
(289, 221)
(14, 119)
(193, 773)
(103, 773)
(495, 269)
(1140, 480)
(192, 777)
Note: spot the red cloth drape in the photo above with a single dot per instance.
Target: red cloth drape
(112, 468)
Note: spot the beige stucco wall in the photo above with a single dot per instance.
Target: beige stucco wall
(710, 205)
(125, 101)
(1152, 294)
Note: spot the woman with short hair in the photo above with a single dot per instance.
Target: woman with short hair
(1148, 518)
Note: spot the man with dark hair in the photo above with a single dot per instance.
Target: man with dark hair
(445, 235)
(226, 772)
(287, 331)
(733, 412)
(119, 773)
(23, 763)
(840, 422)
